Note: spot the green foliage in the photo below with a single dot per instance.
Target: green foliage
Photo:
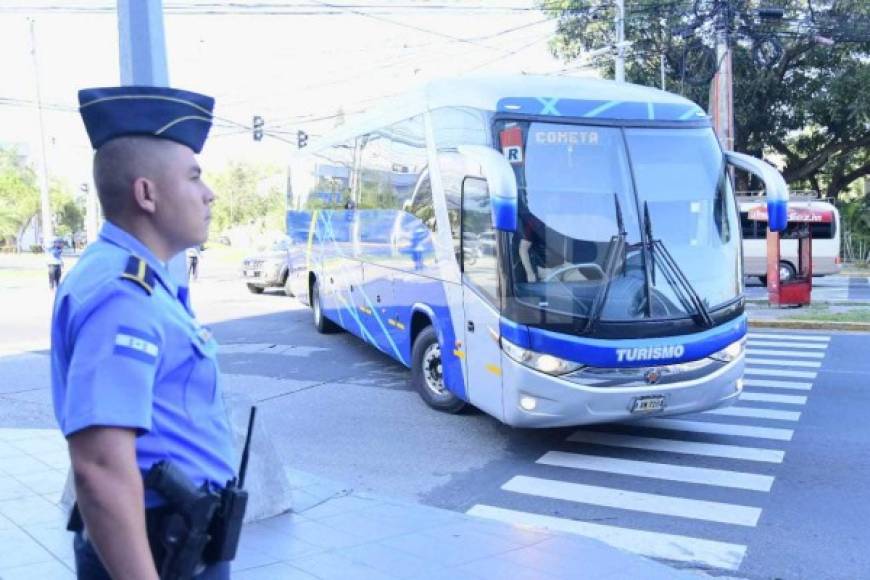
(855, 222)
(247, 194)
(69, 212)
(810, 105)
(19, 194)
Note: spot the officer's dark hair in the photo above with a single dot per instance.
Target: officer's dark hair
(118, 163)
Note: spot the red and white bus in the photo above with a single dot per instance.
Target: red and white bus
(824, 220)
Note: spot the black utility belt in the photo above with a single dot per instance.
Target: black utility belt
(197, 526)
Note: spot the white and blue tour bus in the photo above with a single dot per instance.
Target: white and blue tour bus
(553, 251)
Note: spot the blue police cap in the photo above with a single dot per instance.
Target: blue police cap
(181, 116)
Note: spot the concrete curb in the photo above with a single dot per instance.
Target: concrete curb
(809, 324)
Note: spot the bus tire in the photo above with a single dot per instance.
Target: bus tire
(255, 289)
(288, 290)
(787, 272)
(427, 376)
(321, 322)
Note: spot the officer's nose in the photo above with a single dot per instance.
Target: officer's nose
(209, 196)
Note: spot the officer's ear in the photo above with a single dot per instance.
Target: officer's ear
(144, 194)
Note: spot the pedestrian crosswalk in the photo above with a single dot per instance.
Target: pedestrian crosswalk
(708, 473)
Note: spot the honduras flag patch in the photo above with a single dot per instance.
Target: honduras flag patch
(137, 344)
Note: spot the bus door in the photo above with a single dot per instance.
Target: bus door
(479, 256)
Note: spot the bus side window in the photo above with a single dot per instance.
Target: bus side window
(479, 252)
(421, 204)
(452, 167)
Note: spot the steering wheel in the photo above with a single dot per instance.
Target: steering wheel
(581, 266)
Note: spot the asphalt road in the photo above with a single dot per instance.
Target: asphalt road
(825, 289)
(779, 491)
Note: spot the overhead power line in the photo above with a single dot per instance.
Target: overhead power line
(310, 7)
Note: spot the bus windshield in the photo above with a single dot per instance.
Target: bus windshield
(581, 186)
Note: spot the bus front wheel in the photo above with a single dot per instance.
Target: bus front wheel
(321, 322)
(427, 375)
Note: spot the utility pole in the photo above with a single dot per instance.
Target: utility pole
(662, 69)
(47, 227)
(620, 41)
(721, 91)
(143, 62)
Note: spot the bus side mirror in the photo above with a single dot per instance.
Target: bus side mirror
(774, 186)
(502, 184)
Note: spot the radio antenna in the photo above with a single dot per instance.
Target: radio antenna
(243, 468)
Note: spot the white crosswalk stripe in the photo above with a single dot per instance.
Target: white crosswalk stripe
(649, 469)
(624, 458)
(652, 544)
(773, 398)
(679, 446)
(779, 373)
(783, 362)
(770, 384)
(720, 428)
(790, 337)
(769, 352)
(756, 413)
(808, 346)
(711, 511)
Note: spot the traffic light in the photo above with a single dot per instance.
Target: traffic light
(258, 128)
(301, 138)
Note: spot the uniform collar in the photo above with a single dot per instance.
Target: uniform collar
(123, 239)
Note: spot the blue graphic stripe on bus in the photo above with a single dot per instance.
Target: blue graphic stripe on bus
(625, 353)
(352, 310)
(330, 232)
(549, 107)
(348, 305)
(334, 235)
(368, 302)
(602, 109)
(454, 378)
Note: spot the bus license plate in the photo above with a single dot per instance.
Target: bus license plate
(648, 404)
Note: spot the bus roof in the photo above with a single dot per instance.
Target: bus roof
(534, 95)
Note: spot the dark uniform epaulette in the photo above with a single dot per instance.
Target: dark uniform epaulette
(140, 272)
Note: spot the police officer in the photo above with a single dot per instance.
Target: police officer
(134, 375)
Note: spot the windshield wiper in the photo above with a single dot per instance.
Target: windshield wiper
(673, 273)
(615, 249)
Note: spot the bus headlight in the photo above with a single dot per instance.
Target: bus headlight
(731, 352)
(545, 363)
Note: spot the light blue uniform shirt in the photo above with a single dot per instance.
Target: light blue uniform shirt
(122, 357)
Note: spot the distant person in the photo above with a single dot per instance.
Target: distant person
(193, 262)
(55, 264)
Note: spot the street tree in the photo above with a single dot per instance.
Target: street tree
(19, 194)
(247, 194)
(800, 74)
(69, 211)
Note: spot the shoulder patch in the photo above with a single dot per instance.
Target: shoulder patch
(140, 272)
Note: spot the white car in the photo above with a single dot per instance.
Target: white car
(269, 269)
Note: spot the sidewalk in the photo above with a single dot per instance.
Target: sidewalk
(333, 534)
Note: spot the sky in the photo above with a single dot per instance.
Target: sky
(290, 61)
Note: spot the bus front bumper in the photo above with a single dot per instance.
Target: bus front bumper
(558, 402)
